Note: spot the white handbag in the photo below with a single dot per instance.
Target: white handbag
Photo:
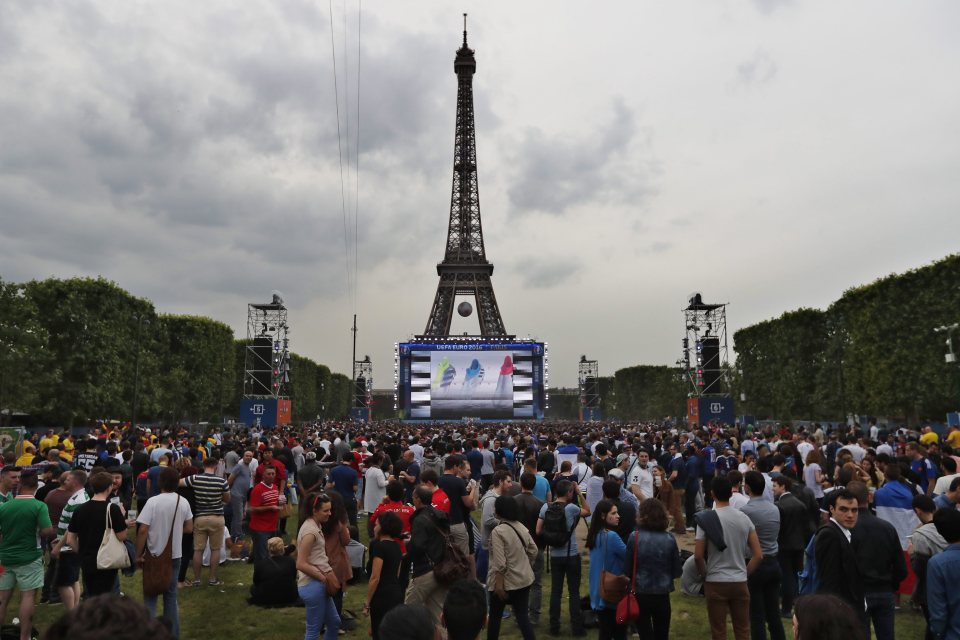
(112, 553)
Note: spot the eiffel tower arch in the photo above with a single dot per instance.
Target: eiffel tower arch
(465, 270)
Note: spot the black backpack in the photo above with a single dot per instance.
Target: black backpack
(555, 533)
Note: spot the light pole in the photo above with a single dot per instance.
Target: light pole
(139, 317)
(949, 357)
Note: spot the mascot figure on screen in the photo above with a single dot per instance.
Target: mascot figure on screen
(446, 372)
(505, 382)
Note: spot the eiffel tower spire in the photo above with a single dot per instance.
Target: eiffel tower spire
(465, 269)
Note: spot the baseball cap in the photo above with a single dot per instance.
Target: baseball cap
(622, 457)
(615, 473)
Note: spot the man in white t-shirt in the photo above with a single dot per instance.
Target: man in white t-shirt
(639, 476)
(803, 448)
(165, 518)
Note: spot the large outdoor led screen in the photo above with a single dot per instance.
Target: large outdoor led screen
(489, 381)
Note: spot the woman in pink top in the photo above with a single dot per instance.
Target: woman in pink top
(316, 580)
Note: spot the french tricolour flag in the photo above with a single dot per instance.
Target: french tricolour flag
(894, 503)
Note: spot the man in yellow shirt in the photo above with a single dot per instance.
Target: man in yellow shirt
(953, 438)
(66, 448)
(929, 437)
(49, 440)
(29, 453)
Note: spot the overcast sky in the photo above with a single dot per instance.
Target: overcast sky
(770, 154)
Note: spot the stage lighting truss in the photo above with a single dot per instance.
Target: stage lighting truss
(588, 377)
(266, 368)
(705, 352)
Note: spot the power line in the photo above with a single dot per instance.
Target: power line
(343, 197)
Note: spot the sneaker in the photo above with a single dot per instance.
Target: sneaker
(690, 529)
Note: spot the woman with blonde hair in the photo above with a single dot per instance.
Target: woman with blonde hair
(274, 577)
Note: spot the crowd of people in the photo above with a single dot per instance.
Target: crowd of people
(831, 527)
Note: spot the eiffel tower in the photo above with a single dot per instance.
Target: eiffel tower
(465, 270)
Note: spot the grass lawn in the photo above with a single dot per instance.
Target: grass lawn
(222, 613)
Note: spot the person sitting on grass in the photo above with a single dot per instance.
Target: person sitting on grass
(275, 578)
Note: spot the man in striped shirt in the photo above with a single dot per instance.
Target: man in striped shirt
(211, 492)
(67, 579)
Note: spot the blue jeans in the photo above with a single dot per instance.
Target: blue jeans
(320, 611)
(569, 568)
(880, 610)
(171, 612)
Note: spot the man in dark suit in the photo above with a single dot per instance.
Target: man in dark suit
(836, 560)
(882, 566)
(795, 531)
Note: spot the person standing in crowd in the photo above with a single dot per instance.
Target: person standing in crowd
(512, 552)
(764, 582)
(607, 553)
(56, 500)
(375, 483)
(425, 548)
(721, 551)
(486, 469)
(410, 476)
(165, 518)
(922, 468)
(264, 513)
(210, 494)
(310, 477)
(67, 578)
(925, 543)
(316, 580)
(499, 485)
(625, 509)
(881, 564)
(345, 480)
(530, 507)
(86, 529)
(658, 564)
(23, 521)
(836, 559)
(678, 481)
(384, 591)
(558, 531)
(336, 537)
(694, 470)
(240, 482)
(463, 498)
(943, 571)
(795, 532)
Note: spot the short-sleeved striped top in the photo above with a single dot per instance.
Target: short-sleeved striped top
(208, 490)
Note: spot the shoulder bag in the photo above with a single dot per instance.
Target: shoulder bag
(628, 609)
(158, 569)
(112, 553)
(453, 565)
(612, 586)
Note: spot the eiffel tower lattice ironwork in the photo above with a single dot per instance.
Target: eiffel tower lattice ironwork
(465, 269)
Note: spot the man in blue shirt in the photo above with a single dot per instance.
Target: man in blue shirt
(921, 466)
(344, 480)
(542, 488)
(943, 571)
(475, 458)
(949, 499)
